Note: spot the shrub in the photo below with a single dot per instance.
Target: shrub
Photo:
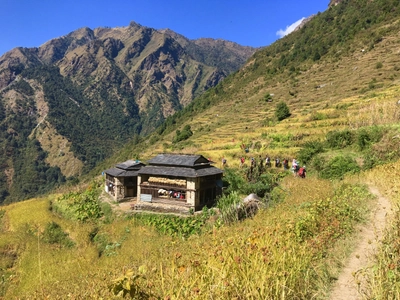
(282, 111)
(130, 284)
(267, 97)
(370, 160)
(339, 139)
(318, 163)
(318, 116)
(309, 150)
(82, 206)
(183, 135)
(233, 180)
(338, 166)
(365, 137)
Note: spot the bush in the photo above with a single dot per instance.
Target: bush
(282, 111)
(370, 160)
(183, 135)
(367, 136)
(309, 150)
(82, 206)
(339, 139)
(233, 180)
(267, 97)
(337, 167)
(254, 181)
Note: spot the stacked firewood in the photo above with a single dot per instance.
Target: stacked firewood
(167, 181)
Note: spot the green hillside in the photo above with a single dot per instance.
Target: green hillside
(339, 78)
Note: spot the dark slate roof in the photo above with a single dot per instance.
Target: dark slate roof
(179, 160)
(179, 171)
(116, 172)
(130, 165)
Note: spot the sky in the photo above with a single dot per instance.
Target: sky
(256, 23)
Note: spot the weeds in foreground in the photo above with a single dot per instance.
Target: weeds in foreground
(263, 258)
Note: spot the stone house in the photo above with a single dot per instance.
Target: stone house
(121, 182)
(183, 180)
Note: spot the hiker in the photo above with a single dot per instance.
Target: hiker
(302, 172)
(295, 167)
(253, 162)
(241, 162)
(223, 162)
(285, 164)
(277, 162)
(267, 161)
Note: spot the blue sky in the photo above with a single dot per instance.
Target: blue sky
(30, 23)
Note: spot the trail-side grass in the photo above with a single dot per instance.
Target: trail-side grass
(384, 275)
(280, 253)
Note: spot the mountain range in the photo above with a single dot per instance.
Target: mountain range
(72, 101)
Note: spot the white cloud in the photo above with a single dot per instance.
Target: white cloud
(281, 33)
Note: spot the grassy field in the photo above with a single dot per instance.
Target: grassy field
(287, 251)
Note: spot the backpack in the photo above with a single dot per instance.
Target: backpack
(301, 172)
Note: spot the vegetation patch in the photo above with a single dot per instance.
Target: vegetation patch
(339, 139)
(282, 111)
(336, 167)
(8, 258)
(53, 234)
(183, 135)
(309, 150)
(324, 221)
(176, 226)
(82, 206)
(2, 214)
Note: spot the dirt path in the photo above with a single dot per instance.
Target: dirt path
(351, 284)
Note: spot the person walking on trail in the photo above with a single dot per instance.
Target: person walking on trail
(252, 163)
(277, 162)
(241, 162)
(295, 167)
(285, 164)
(267, 161)
(223, 162)
(302, 172)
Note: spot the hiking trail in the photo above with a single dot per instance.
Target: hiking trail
(351, 284)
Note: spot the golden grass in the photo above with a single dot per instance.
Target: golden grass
(257, 259)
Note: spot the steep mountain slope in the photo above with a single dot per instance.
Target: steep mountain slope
(339, 71)
(81, 96)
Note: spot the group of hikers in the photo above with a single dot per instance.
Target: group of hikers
(295, 168)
